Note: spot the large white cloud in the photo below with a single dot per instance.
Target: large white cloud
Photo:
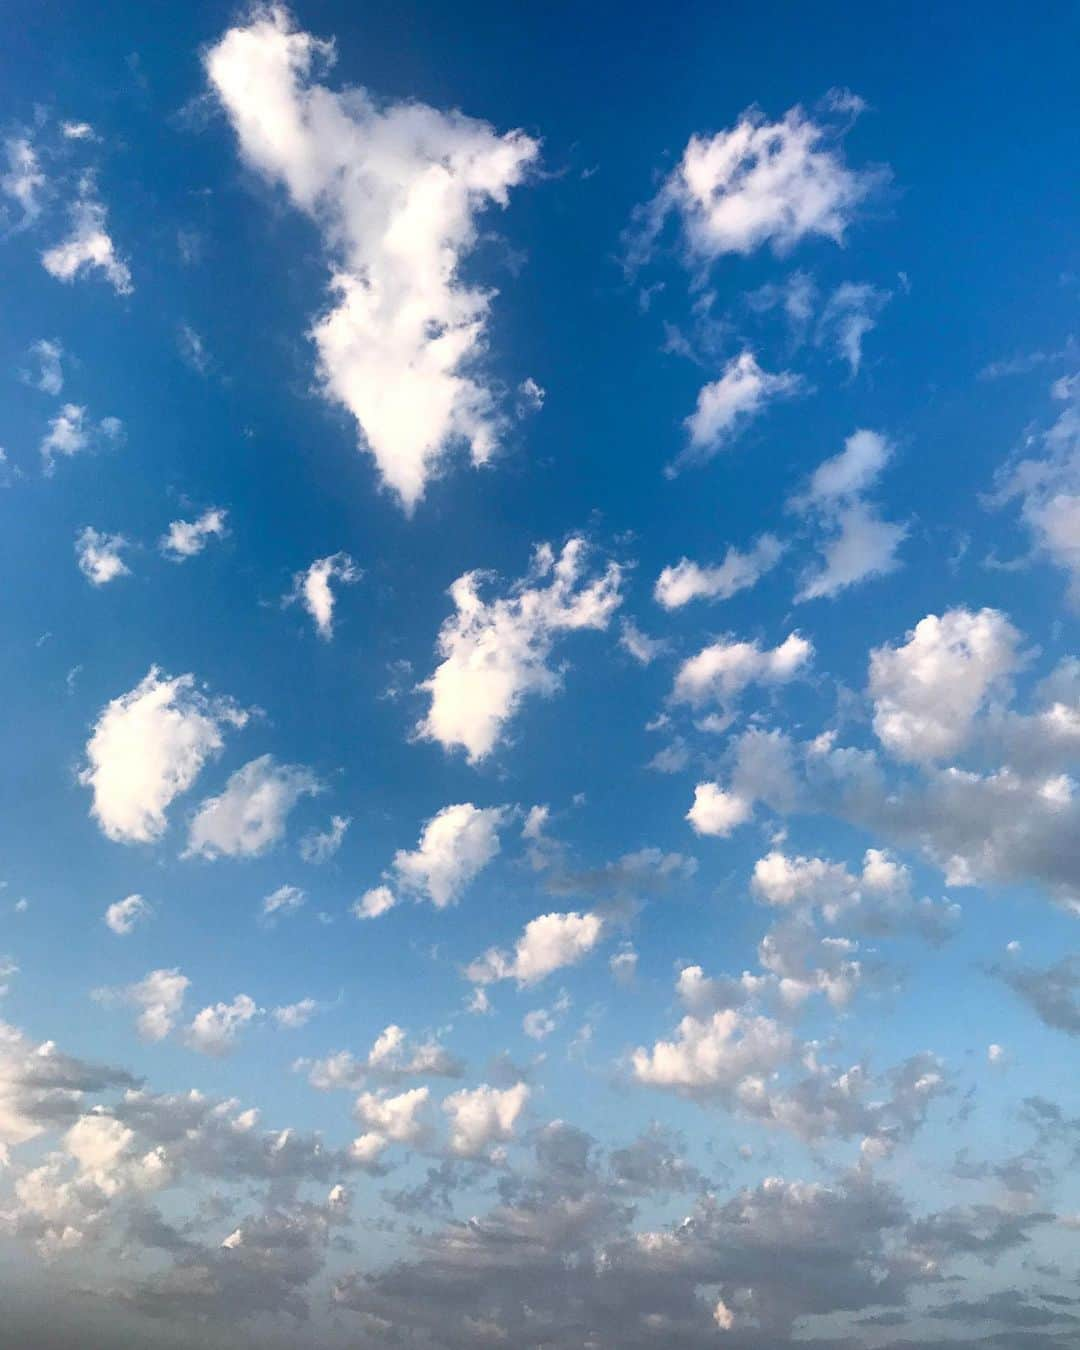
(548, 943)
(928, 691)
(250, 815)
(147, 747)
(495, 652)
(396, 189)
(456, 844)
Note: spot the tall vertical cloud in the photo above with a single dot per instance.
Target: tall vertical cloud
(396, 190)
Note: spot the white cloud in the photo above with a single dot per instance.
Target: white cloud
(71, 432)
(319, 846)
(77, 131)
(285, 900)
(1048, 487)
(123, 915)
(855, 543)
(374, 902)
(849, 314)
(50, 374)
(860, 545)
(759, 183)
(685, 581)
(396, 189)
(721, 1055)
(848, 474)
(455, 845)
(250, 815)
(312, 589)
(159, 998)
(147, 747)
(624, 964)
(186, 538)
(641, 647)
(399, 1119)
(496, 652)
(483, 1116)
(928, 692)
(292, 1016)
(192, 348)
(392, 1057)
(716, 811)
(720, 672)
(214, 1030)
(24, 181)
(548, 943)
(727, 405)
(88, 246)
(99, 557)
(877, 901)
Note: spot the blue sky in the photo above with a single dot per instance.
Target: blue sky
(539, 677)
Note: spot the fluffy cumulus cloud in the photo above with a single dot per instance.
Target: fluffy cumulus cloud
(88, 247)
(214, 1030)
(251, 814)
(548, 943)
(495, 652)
(717, 811)
(719, 673)
(483, 1116)
(855, 542)
(685, 581)
(187, 538)
(123, 915)
(397, 190)
(158, 998)
(759, 183)
(928, 691)
(726, 406)
(98, 556)
(147, 747)
(455, 846)
(312, 589)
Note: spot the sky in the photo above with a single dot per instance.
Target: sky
(539, 798)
